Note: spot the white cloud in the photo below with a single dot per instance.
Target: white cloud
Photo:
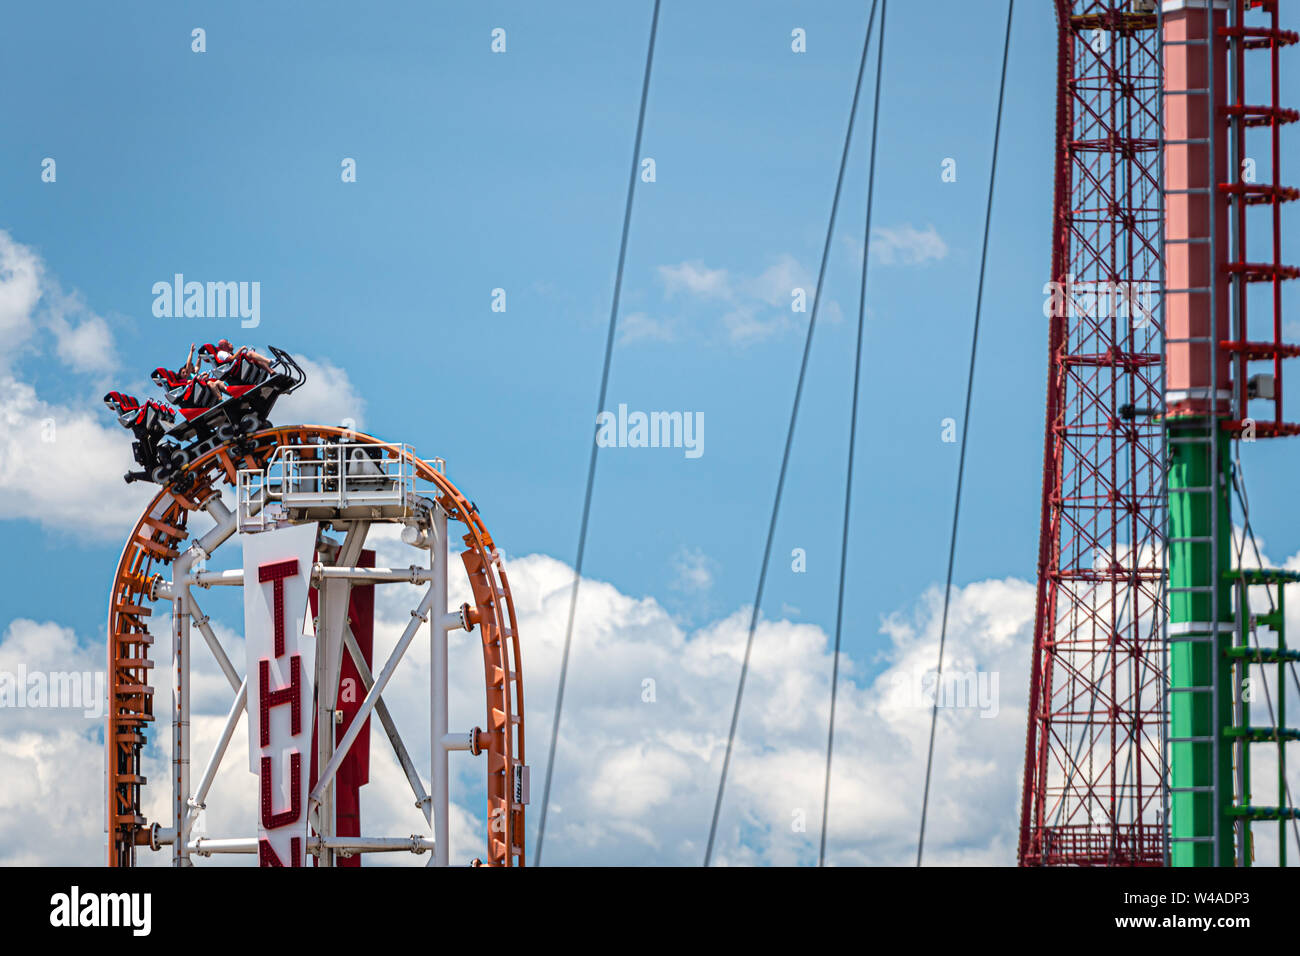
(20, 289)
(52, 800)
(60, 464)
(775, 285)
(748, 325)
(696, 279)
(31, 299)
(640, 327)
(86, 346)
(50, 761)
(635, 777)
(642, 737)
(906, 245)
(755, 308)
(694, 570)
(61, 468)
(328, 397)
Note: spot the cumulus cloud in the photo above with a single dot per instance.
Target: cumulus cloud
(327, 398)
(640, 327)
(693, 570)
(755, 307)
(696, 279)
(906, 245)
(61, 467)
(31, 300)
(85, 346)
(60, 464)
(642, 736)
(774, 285)
(644, 731)
(20, 289)
(51, 801)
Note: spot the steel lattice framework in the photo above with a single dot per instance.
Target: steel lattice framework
(1093, 766)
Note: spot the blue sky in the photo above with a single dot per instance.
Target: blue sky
(478, 171)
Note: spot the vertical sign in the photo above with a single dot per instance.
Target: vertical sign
(280, 664)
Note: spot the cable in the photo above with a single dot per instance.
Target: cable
(853, 434)
(965, 428)
(789, 439)
(600, 405)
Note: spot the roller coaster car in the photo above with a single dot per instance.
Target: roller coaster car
(147, 422)
(214, 415)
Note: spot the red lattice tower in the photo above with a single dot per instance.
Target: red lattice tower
(1092, 785)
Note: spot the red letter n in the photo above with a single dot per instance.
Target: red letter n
(266, 855)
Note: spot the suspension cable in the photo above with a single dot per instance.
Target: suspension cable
(965, 428)
(853, 433)
(789, 439)
(600, 405)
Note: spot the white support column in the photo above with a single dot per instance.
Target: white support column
(182, 611)
(181, 704)
(438, 688)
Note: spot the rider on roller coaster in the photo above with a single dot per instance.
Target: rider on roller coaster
(197, 391)
(191, 367)
(223, 352)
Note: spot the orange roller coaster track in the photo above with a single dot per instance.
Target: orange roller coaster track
(158, 539)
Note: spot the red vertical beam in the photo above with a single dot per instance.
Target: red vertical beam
(354, 772)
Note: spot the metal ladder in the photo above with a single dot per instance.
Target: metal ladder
(1210, 634)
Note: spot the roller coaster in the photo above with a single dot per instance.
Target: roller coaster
(218, 440)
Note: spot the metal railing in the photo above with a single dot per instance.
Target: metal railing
(335, 475)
